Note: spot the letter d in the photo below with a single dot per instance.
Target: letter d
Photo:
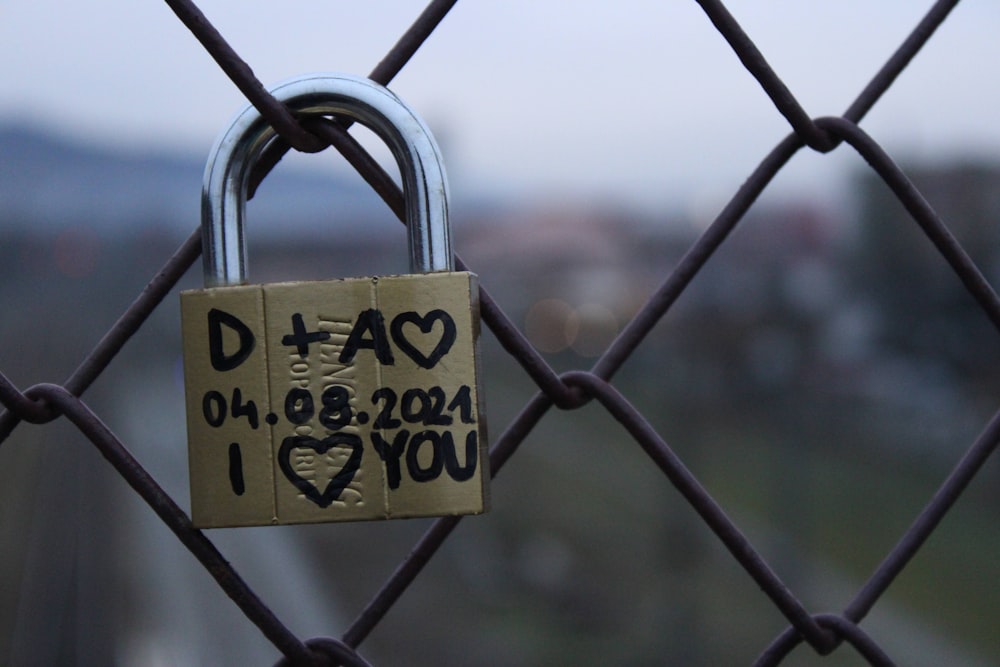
(221, 361)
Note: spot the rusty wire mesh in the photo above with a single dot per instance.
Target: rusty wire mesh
(825, 633)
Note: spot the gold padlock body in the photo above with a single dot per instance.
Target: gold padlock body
(339, 400)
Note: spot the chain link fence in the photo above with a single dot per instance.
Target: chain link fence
(825, 634)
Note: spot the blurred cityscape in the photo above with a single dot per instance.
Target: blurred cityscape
(820, 376)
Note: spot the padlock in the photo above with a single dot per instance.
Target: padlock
(343, 399)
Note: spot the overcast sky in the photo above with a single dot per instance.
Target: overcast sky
(640, 101)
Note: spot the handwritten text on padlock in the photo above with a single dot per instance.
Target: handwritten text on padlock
(416, 405)
(368, 333)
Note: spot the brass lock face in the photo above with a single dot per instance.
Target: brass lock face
(338, 400)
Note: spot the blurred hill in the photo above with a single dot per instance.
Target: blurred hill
(56, 181)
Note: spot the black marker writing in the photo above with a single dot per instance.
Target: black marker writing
(220, 360)
(300, 339)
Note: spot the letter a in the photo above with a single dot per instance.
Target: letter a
(221, 361)
(369, 321)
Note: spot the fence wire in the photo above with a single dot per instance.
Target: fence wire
(825, 633)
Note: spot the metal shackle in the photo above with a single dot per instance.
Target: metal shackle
(425, 187)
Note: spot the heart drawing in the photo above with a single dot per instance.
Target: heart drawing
(425, 324)
(339, 481)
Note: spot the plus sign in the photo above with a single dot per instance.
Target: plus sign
(300, 339)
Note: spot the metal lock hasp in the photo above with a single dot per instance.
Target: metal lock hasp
(338, 400)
